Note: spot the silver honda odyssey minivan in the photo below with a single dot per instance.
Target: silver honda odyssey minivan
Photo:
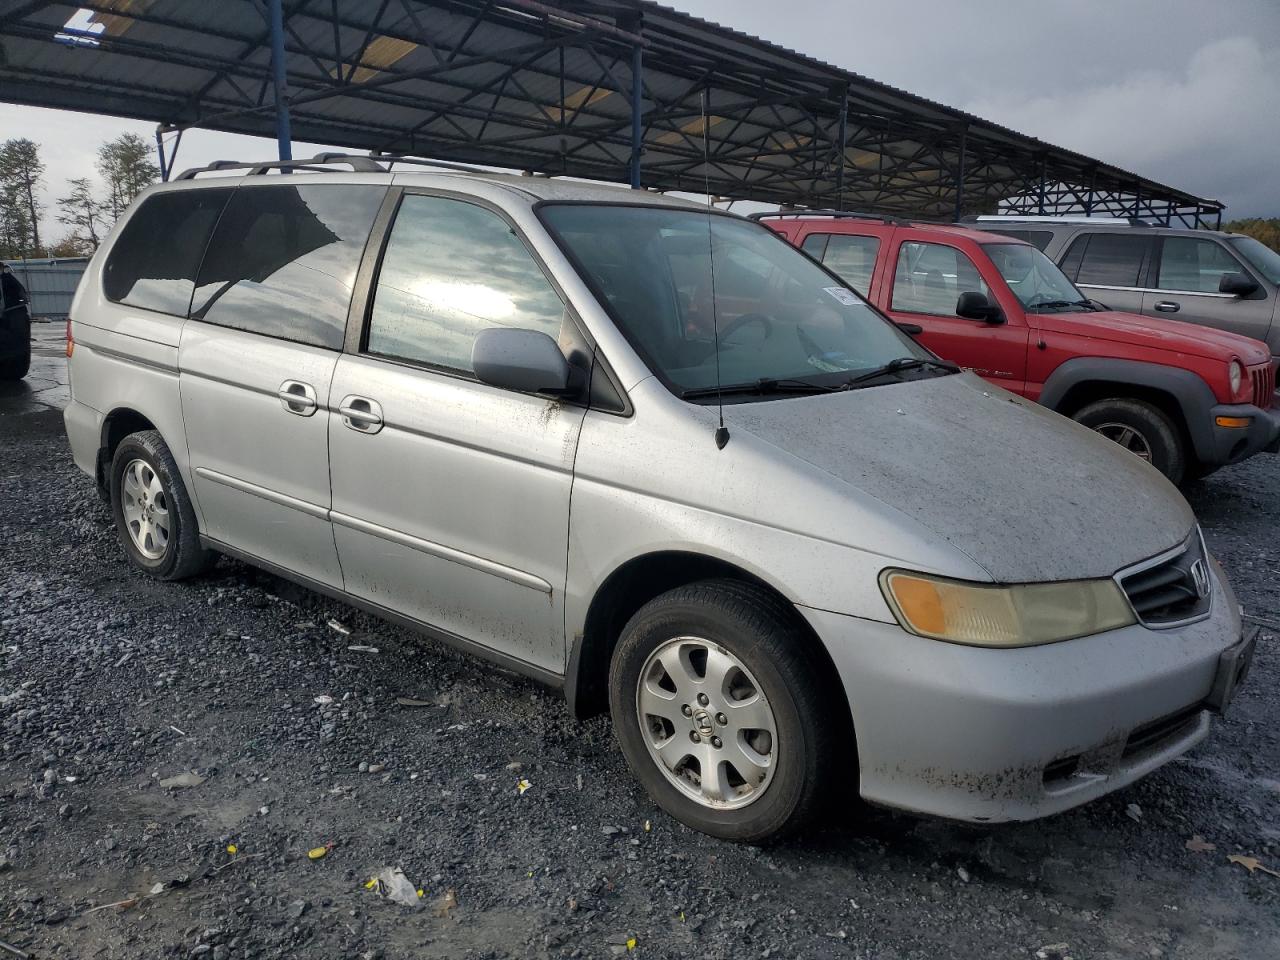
(655, 456)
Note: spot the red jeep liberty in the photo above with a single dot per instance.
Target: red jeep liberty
(1188, 399)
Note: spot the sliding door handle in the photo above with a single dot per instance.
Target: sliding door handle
(361, 414)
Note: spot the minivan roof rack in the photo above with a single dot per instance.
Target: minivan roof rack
(1050, 218)
(850, 214)
(358, 163)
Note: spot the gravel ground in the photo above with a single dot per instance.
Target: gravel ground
(110, 684)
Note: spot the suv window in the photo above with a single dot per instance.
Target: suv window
(1190, 264)
(283, 260)
(450, 270)
(1111, 259)
(153, 263)
(851, 258)
(930, 278)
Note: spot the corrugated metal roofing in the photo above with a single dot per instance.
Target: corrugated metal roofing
(547, 87)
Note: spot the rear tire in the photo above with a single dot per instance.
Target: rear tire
(746, 695)
(155, 519)
(1142, 429)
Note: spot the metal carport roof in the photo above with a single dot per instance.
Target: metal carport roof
(551, 88)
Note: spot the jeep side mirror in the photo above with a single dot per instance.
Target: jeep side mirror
(525, 360)
(974, 305)
(1237, 285)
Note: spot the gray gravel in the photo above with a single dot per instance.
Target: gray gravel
(110, 683)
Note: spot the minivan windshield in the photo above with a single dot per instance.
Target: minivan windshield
(1263, 258)
(676, 280)
(1035, 279)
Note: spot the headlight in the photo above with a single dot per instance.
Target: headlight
(1235, 372)
(1021, 615)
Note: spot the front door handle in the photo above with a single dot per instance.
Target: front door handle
(361, 414)
(1168, 306)
(298, 397)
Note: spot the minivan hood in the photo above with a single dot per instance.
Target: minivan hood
(1157, 333)
(1026, 494)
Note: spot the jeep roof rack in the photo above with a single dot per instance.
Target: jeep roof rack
(835, 214)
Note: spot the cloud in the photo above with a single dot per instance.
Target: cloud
(1208, 127)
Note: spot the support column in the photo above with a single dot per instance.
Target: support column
(164, 166)
(843, 136)
(964, 146)
(637, 126)
(280, 81)
(1043, 184)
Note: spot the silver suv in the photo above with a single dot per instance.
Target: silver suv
(1216, 279)
(659, 458)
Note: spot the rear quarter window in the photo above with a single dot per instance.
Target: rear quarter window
(283, 259)
(153, 263)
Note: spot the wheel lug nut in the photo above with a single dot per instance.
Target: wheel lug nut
(693, 735)
(703, 699)
(722, 719)
(687, 710)
(715, 742)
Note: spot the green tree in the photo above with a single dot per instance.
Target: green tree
(21, 180)
(126, 167)
(81, 211)
(1263, 230)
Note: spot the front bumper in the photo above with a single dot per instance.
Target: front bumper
(1233, 444)
(990, 735)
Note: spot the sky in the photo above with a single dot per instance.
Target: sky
(1181, 91)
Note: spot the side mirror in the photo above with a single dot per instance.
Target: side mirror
(973, 305)
(525, 360)
(1237, 285)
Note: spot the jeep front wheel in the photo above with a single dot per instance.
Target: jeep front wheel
(1142, 429)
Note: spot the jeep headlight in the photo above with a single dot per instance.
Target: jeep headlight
(990, 615)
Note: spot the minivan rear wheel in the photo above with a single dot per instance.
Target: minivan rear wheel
(720, 709)
(1141, 428)
(154, 516)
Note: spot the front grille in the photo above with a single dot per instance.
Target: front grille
(1172, 589)
(1264, 385)
(1157, 733)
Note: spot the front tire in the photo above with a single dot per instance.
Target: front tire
(154, 516)
(1141, 428)
(721, 708)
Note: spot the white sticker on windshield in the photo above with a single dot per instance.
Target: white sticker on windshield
(844, 296)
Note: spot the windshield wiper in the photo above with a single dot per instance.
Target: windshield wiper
(762, 386)
(897, 366)
(1058, 304)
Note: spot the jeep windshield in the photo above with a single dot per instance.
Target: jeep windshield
(1035, 279)
(676, 281)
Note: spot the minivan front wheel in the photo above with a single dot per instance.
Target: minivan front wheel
(155, 520)
(1142, 429)
(719, 706)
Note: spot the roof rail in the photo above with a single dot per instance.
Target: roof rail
(357, 162)
(391, 159)
(850, 214)
(1096, 219)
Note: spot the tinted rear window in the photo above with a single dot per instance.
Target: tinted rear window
(153, 262)
(1113, 259)
(283, 260)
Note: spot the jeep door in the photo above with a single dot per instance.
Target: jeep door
(450, 496)
(924, 279)
(256, 359)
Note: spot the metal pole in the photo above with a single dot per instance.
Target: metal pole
(637, 128)
(964, 138)
(1137, 201)
(1218, 226)
(844, 144)
(164, 167)
(1043, 185)
(280, 80)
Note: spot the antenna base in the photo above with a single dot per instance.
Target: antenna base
(722, 437)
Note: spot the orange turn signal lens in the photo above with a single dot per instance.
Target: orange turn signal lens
(1234, 422)
(71, 341)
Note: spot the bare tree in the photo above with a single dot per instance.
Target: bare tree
(126, 166)
(81, 211)
(21, 179)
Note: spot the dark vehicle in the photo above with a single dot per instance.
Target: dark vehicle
(15, 327)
